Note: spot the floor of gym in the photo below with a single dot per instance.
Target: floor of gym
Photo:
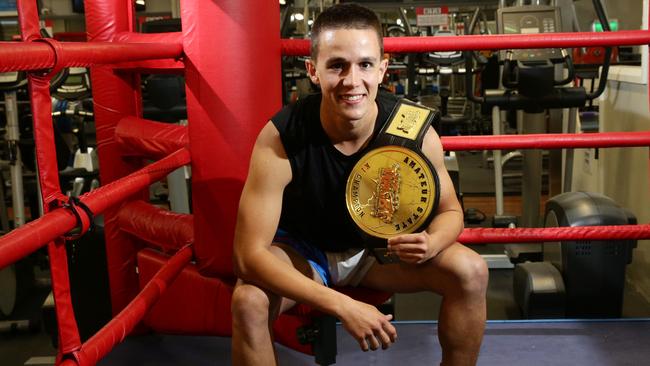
(508, 339)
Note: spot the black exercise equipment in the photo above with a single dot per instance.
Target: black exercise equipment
(163, 96)
(578, 279)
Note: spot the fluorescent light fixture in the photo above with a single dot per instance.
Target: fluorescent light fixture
(283, 2)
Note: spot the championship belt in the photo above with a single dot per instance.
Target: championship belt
(393, 189)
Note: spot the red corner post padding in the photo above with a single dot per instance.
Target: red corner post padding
(166, 230)
(115, 95)
(193, 304)
(233, 88)
(149, 139)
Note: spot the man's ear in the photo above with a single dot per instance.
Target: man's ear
(311, 71)
(383, 66)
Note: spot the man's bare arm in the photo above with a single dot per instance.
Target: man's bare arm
(257, 220)
(448, 222)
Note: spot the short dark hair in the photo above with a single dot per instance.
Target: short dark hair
(345, 16)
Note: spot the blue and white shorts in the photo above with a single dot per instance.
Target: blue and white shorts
(346, 268)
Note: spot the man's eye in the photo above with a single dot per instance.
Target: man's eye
(366, 65)
(336, 66)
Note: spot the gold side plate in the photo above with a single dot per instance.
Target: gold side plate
(391, 191)
(408, 121)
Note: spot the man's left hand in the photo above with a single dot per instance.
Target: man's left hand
(412, 248)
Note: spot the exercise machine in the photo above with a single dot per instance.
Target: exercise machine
(10, 82)
(577, 279)
(533, 83)
(20, 288)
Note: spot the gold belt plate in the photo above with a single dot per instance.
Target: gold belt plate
(390, 191)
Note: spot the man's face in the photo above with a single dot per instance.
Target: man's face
(349, 69)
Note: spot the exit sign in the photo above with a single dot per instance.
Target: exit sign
(426, 17)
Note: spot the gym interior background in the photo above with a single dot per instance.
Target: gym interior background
(622, 107)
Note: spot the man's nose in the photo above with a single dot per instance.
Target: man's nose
(352, 77)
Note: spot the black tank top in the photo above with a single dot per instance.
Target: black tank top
(313, 206)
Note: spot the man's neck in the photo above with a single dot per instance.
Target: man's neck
(349, 136)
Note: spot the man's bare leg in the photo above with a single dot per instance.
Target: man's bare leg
(253, 312)
(251, 329)
(460, 275)
(461, 322)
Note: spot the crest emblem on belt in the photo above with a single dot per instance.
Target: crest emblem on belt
(391, 191)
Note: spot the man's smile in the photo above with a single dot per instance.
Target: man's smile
(352, 98)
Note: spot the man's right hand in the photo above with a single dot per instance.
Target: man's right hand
(368, 325)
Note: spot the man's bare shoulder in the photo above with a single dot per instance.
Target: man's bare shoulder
(269, 158)
(432, 147)
(269, 134)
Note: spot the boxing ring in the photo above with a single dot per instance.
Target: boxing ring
(597, 343)
(159, 261)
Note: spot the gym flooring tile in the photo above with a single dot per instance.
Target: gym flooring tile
(26, 348)
(575, 343)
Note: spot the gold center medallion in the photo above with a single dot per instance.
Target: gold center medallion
(391, 190)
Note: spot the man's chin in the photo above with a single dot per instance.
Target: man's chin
(354, 113)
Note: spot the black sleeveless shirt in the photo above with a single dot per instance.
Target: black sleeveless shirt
(313, 205)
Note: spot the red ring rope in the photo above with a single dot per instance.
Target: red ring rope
(156, 139)
(546, 141)
(532, 235)
(123, 323)
(28, 238)
(300, 47)
(39, 56)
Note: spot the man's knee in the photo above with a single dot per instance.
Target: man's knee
(469, 272)
(250, 305)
